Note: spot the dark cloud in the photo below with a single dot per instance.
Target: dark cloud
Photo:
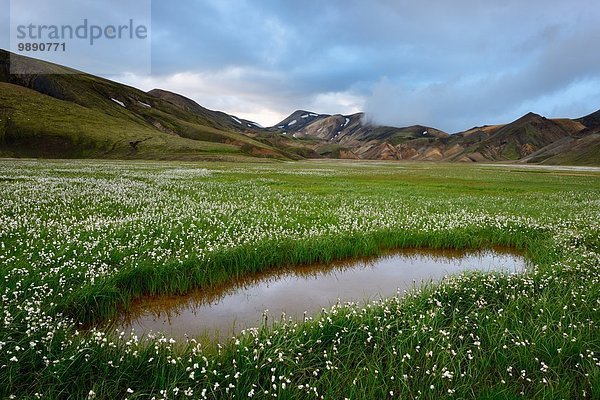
(448, 64)
(451, 64)
(566, 64)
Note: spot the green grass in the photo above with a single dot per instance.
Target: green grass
(80, 240)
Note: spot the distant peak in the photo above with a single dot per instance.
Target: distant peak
(306, 113)
(530, 116)
(591, 121)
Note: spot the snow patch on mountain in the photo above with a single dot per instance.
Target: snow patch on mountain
(118, 102)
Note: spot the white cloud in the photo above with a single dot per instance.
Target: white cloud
(337, 103)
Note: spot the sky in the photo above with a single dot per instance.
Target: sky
(447, 64)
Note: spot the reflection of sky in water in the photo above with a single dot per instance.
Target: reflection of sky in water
(298, 290)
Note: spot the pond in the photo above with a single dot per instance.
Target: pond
(303, 291)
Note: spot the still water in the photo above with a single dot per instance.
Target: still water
(227, 309)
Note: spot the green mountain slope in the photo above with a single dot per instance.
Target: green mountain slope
(36, 125)
(101, 103)
(520, 138)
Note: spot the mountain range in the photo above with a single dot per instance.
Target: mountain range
(59, 112)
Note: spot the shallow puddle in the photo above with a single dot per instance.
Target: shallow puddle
(227, 309)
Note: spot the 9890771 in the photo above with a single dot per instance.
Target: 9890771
(47, 46)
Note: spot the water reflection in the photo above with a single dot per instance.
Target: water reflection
(229, 308)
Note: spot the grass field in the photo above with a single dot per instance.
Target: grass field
(80, 239)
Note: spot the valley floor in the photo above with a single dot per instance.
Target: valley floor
(79, 240)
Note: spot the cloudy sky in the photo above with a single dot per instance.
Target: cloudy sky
(448, 64)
